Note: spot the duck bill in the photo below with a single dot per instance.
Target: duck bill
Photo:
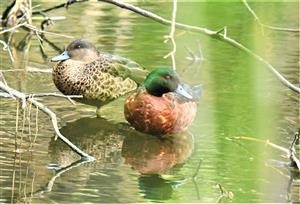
(181, 91)
(62, 56)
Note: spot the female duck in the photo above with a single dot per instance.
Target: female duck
(98, 77)
(165, 104)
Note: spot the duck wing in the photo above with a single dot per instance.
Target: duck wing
(127, 68)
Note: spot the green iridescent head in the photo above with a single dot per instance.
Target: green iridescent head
(163, 80)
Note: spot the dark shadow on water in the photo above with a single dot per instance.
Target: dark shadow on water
(153, 187)
(111, 143)
(96, 136)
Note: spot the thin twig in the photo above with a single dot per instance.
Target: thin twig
(4, 81)
(12, 28)
(224, 194)
(267, 142)
(69, 97)
(28, 69)
(218, 35)
(62, 5)
(257, 19)
(36, 128)
(6, 48)
(35, 69)
(51, 18)
(292, 152)
(51, 114)
(171, 36)
(5, 95)
(197, 169)
(33, 28)
(58, 173)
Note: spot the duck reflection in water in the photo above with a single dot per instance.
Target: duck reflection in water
(105, 140)
(152, 156)
(108, 142)
(98, 137)
(156, 155)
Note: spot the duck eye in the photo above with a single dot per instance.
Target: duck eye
(168, 77)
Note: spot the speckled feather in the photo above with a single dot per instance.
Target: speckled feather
(99, 81)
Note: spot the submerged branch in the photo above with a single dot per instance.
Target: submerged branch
(266, 142)
(225, 194)
(257, 19)
(21, 96)
(220, 35)
(58, 173)
(290, 152)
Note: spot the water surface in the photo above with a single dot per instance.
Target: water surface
(240, 98)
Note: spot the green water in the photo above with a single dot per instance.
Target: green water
(240, 98)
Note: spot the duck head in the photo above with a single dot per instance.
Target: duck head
(80, 50)
(163, 80)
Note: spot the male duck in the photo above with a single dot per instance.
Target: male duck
(165, 105)
(98, 77)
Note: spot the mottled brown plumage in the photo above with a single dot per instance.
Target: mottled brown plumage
(99, 77)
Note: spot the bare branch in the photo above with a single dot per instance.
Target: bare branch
(33, 28)
(35, 69)
(267, 142)
(171, 36)
(51, 114)
(69, 97)
(264, 25)
(220, 36)
(5, 95)
(62, 5)
(5, 83)
(17, 12)
(58, 173)
(225, 194)
(158, 18)
(292, 152)
(28, 69)
(49, 21)
(6, 48)
(12, 28)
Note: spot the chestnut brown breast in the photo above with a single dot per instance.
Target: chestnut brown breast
(159, 115)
